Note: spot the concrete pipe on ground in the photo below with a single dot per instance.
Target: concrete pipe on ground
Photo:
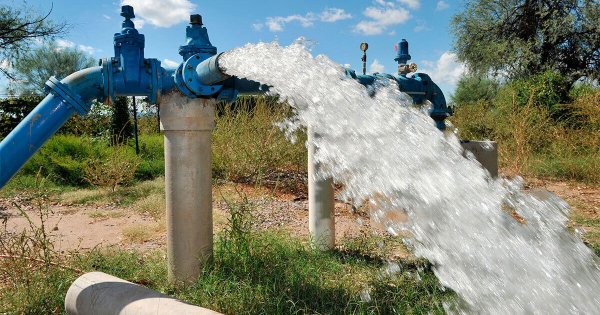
(321, 220)
(187, 125)
(99, 294)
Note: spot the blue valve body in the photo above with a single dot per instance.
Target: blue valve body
(403, 56)
(419, 86)
(128, 73)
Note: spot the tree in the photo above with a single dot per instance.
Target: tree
(518, 38)
(34, 68)
(19, 30)
(13, 110)
(121, 128)
(473, 88)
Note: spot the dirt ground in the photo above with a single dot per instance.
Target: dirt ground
(82, 227)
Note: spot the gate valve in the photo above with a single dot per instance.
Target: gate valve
(128, 73)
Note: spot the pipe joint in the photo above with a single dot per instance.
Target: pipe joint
(190, 83)
(74, 100)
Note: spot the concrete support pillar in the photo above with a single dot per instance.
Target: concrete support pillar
(321, 221)
(99, 294)
(187, 125)
(485, 152)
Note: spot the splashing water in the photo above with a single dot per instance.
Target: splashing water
(461, 220)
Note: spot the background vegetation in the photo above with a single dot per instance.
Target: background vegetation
(247, 147)
(532, 66)
(543, 127)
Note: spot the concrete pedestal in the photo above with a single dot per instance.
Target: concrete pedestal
(486, 152)
(321, 221)
(187, 125)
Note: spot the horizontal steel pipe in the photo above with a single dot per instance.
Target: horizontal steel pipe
(209, 72)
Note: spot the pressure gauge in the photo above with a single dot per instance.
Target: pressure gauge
(364, 46)
(412, 67)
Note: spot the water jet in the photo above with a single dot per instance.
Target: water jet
(450, 200)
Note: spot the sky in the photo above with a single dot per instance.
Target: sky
(337, 27)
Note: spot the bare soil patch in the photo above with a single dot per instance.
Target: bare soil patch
(83, 227)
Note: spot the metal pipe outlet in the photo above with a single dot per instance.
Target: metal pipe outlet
(102, 294)
(210, 72)
(321, 221)
(187, 125)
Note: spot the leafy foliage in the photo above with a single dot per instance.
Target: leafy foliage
(121, 127)
(13, 110)
(19, 29)
(35, 67)
(518, 38)
(473, 88)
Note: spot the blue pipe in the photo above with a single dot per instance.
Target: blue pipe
(127, 73)
(72, 95)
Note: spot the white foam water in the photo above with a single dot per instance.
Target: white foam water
(388, 153)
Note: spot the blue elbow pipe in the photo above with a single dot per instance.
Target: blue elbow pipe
(72, 95)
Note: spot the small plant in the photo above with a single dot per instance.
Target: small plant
(236, 236)
(140, 233)
(117, 169)
(32, 273)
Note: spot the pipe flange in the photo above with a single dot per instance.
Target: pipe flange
(180, 83)
(63, 91)
(156, 77)
(189, 77)
(107, 75)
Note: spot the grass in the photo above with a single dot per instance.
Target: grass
(141, 233)
(136, 195)
(280, 275)
(248, 146)
(152, 205)
(251, 273)
(99, 215)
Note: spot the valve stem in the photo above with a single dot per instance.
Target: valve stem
(364, 47)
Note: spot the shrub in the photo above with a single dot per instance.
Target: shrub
(471, 89)
(152, 163)
(548, 91)
(63, 158)
(247, 144)
(117, 168)
(536, 134)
